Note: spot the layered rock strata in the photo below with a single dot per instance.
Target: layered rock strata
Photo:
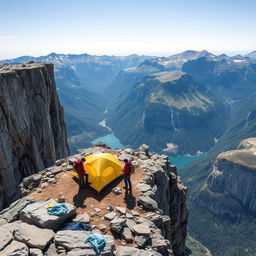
(231, 189)
(159, 228)
(32, 127)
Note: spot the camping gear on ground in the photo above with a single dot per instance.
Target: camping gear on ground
(77, 225)
(97, 242)
(102, 168)
(49, 206)
(57, 209)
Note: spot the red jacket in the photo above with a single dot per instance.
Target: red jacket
(127, 169)
(79, 167)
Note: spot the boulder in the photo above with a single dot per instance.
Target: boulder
(141, 240)
(74, 241)
(161, 245)
(121, 210)
(110, 216)
(6, 238)
(32, 180)
(117, 224)
(141, 229)
(129, 216)
(142, 187)
(127, 235)
(147, 203)
(70, 239)
(33, 236)
(126, 251)
(37, 214)
(15, 249)
(130, 224)
(102, 227)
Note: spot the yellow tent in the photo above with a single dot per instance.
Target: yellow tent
(102, 168)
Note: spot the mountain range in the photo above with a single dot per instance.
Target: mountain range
(182, 104)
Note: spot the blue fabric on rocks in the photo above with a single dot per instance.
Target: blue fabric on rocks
(97, 242)
(76, 225)
(58, 210)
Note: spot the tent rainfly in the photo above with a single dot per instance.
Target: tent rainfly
(102, 168)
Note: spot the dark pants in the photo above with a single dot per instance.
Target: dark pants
(127, 181)
(81, 179)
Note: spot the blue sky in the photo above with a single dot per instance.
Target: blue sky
(122, 27)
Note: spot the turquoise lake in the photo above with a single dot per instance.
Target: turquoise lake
(180, 161)
(111, 140)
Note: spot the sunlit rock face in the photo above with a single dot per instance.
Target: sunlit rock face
(233, 180)
(32, 127)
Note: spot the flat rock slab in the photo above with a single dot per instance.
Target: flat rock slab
(110, 216)
(74, 240)
(6, 238)
(126, 251)
(131, 251)
(33, 236)
(141, 229)
(15, 249)
(121, 210)
(37, 214)
(11, 213)
(85, 217)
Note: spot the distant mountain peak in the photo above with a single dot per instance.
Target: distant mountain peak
(251, 55)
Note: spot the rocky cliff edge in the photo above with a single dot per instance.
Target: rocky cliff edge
(150, 221)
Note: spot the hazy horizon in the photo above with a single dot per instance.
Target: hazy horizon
(149, 27)
(122, 55)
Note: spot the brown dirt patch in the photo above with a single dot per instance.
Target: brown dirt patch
(86, 199)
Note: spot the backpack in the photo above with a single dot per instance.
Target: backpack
(132, 169)
(76, 164)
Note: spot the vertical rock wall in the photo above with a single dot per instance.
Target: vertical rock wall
(163, 193)
(32, 127)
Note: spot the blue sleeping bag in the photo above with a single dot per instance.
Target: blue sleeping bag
(58, 210)
(76, 225)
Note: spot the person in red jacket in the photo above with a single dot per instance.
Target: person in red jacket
(79, 167)
(127, 175)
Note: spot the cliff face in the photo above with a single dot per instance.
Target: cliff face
(32, 128)
(233, 180)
